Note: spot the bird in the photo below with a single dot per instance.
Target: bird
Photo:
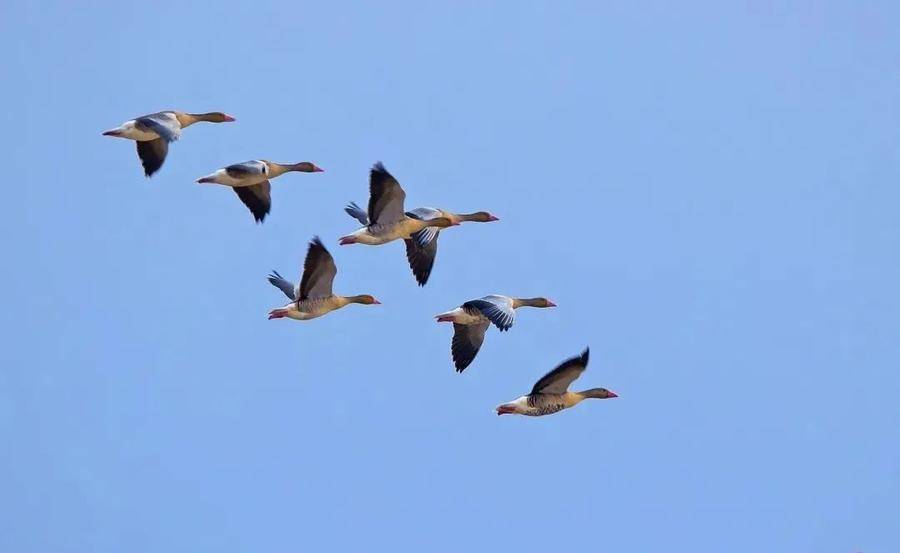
(386, 219)
(152, 133)
(250, 181)
(551, 393)
(421, 247)
(471, 320)
(313, 296)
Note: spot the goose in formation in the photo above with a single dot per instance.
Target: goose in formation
(250, 181)
(551, 393)
(386, 219)
(152, 133)
(471, 320)
(421, 247)
(313, 296)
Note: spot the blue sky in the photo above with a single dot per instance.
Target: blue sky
(708, 190)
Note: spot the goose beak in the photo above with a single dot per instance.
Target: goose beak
(113, 132)
(376, 302)
(550, 304)
(444, 319)
(493, 218)
(346, 240)
(612, 394)
(317, 169)
(505, 410)
(228, 118)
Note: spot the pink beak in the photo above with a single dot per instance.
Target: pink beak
(505, 410)
(445, 319)
(228, 118)
(317, 169)
(346, 240)
(277, 314)
(612, 394)
(111, 133)
(550, 304)
(493, 218)
(376, 302)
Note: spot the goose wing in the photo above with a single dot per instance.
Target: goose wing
(498, 309)
(558, 380)
(319, 271)
(467, 340)
(257, 198)
(385, 197)
(357, 213)
(152, 154)
(284, 285)
(163, 123)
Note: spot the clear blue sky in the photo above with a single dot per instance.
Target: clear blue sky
(708, 190)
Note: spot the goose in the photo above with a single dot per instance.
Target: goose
(421, 247)
(152, 133)
(250, 181)
(471, 320)
(551, 393)
(313, 297)
(386, 219)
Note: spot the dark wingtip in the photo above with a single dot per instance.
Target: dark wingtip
(585, 355)
(378, 167)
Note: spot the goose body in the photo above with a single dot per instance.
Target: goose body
(472, 319)
(154, 132)
(421, 245)
(551, 393)
(250, 181)
(386, 220)
(313, 296)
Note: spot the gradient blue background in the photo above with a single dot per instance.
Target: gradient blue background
(708, 190)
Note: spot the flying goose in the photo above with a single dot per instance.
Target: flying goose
(421, 247)
(471, 320)
(386, 219)
(313, 297)
(153, 132)
(250, 181)
(551, 393)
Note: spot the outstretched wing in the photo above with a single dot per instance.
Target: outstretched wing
(467, 340)
(319, 271)
(498, 309)
(283, 284)
(257, 198)
(385, 197)
(357, 213)
(558, 380)
(152, 154)
(421, 258)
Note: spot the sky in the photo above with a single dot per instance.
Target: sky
(708, 190)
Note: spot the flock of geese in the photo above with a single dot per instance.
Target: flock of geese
(386, 220)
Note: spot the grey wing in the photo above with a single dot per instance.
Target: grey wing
(496, 308)
(283, 284)
(386, 197)
(421, 258)
(467, 340)
(163, 124)
(357, 213)
(246, 169)
(152, 154)
(428, 234)
(257, 198)
(558, 380)
(319, 271)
